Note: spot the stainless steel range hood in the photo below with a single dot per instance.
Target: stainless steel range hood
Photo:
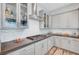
(34, 12)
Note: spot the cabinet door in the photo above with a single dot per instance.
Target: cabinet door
(23, 15)
(72, 19)
(66, 43)
(9, 15)
(38, 48)
(28, 50)
(50, 43)
(75, 45)
(58, 41)
(44, 47)
(0, 44)
(55, 21)
(62, 21)
(41, 24)
(0, 15)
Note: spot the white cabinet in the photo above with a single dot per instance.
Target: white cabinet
(41, 24)
(44, 47)
(59, 21)
(0, 44)
(66, 43)
(54, 22)
(38, 48)
(14, 15)
(58, 41)
(72, 19)
(23, 15)
(66, 20)
(50, 42)
(28, 50)
(50, 22)
(41, 47)
(63, 42)
(0, 15)
(9, 14)
(30, 8)
(75, 45)
(62, 22)
(44, 22)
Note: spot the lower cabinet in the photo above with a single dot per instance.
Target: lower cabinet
(44, 47)
(63, 42)
(75, 46)
(57, 41)
(71, 44)
(28, 50)
(50, 42)
(38, 48)
(41, 47)
(66, 43)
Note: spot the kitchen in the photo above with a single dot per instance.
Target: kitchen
(39, 28)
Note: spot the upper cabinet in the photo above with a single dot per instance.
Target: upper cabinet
(37, 13)
(9, 12)
(23, 15)
(72, 19)
(44, 21)
(14, 15)
(66, 20)
(0, 15)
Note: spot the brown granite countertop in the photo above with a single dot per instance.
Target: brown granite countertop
(65, 35)
(10, 46)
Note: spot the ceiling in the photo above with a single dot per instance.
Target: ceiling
(52, 6)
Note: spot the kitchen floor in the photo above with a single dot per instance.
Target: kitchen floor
(59, 51)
